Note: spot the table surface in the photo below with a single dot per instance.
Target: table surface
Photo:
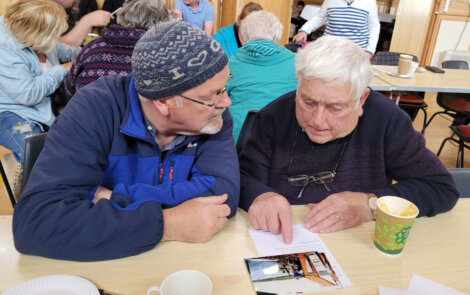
(436, 249)
(455, 81)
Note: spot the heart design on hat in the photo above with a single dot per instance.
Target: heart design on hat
(147, 82)
(198, 60)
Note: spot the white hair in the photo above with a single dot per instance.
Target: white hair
(142, 14)
(337, 61)
(261, 24)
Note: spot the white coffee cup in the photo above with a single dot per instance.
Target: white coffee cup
(184, 282)
(414, 65)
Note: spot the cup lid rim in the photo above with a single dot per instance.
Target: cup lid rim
(394, 215)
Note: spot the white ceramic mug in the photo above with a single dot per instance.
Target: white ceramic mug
(184, 282)
(414, 65)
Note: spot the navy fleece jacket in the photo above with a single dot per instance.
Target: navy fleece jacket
(101, 140)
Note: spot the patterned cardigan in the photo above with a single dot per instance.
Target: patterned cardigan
(108, 55)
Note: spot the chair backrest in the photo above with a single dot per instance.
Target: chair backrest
(455, 64)
(462, 180)
(32, 148)
(4, 165)
(292, 47)
(455, 102)
(387, 58)
(246, 129)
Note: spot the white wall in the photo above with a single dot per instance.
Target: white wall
(448, 37)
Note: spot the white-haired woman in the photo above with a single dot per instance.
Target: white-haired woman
(30, 71)
(262, 70)
(111, 53)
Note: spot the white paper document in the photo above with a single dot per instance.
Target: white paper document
(268, 244)
(421, 285)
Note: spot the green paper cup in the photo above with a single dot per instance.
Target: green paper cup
(394, 219)
(89, 37)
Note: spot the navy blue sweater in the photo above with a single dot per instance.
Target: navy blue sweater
(100, 140)
(383, 147)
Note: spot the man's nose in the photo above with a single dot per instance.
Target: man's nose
(318, 117)
(223, 101)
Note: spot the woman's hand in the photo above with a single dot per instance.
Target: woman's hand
(300, 38)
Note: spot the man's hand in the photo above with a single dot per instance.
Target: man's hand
(300, 38)
(272, 212)
(102, 193)
(369, 55)
(196, 220)
(338, 211)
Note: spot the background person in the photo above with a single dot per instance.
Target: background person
(356, 20)
(197, 12)
(295, 16)
(134, 161)
(333, 145)
(262, 70)
(78, 9)
(76, 35)
(30, 71)
(112, 5)
(229, 37)
(111, 53)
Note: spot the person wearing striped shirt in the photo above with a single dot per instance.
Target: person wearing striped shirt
(356, 20)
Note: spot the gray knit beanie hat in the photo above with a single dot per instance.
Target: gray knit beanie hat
(173, 57)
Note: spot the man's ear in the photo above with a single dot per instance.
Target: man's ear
(364, 96)
(162, 106)
(362, 100)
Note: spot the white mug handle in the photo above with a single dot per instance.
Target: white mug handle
(153, 288)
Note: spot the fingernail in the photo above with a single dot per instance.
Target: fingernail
(314, 229)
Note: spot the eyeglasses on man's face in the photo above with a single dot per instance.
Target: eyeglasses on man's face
(217, 95)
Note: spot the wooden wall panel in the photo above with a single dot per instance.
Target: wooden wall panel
(229, 12)
(411, 27)
(3, 6)
(458, 10)
(456, 7)
(281, 8)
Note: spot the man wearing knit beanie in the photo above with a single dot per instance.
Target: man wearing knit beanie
(133, 161)
(170, 63)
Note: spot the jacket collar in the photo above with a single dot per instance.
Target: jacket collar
(133, 124)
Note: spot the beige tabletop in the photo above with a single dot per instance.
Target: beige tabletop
(438, 249)
(456, 81)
